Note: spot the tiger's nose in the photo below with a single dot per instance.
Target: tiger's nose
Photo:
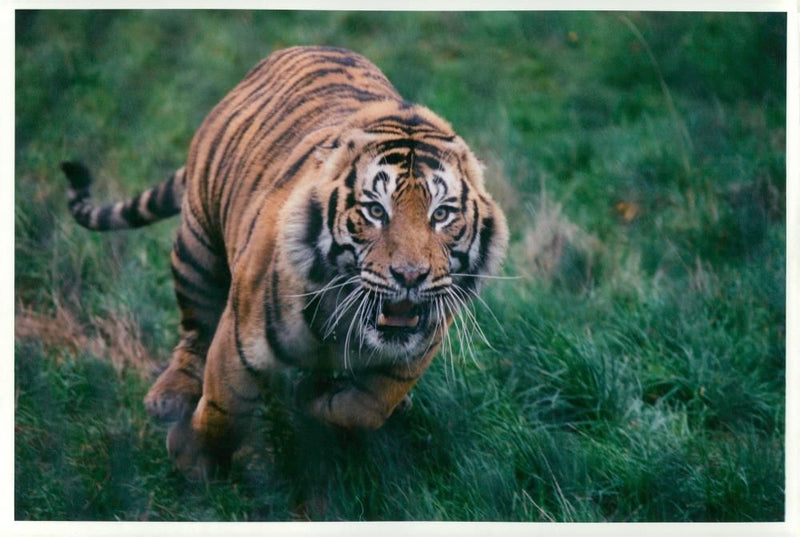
(410, 276)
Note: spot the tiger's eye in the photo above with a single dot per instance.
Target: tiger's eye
(440, 214)
(377, 211)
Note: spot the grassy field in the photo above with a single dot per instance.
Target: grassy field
(635, 365)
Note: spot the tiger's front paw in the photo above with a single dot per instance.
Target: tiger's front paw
(173, 396)
(305, 387)
(192, 456)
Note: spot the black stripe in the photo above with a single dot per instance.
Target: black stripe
(237, 338)
(426, 152)
(78, 174)
(431, 162)
(345, 59)
(228, 441)
(350, 182)
(338, 249)
(190, 374)
(463, 259)
(457, 237)
(487, 233)
(350, 202)
(333, 202)
(440, 137)
(394, 158)
(397, 143)
(318, 273)
(198, 236)
(272, 315)
(379, 177)
(216, 406)
(187, 257)
(318, 269)
(296, 165)
(475, 220)
(406, 123)
(206, 292)
(188, 324)
(249, 234)
(130, 212)
(381, 287)
(313, 223)
(162, 201)
(351, 228)
(105, 216)
(464, 195)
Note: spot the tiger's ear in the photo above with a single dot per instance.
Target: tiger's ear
(323, 152)
(356, 140)
(326, 142)
(352, 142)
(474, 166)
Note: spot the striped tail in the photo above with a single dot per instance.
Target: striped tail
(148, 207)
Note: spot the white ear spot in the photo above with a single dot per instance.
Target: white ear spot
(322, 153)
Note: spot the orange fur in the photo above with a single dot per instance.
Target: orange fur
(329, 229)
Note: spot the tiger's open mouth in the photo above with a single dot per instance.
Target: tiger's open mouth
(400, 315)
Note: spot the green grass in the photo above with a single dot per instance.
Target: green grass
(635, 370)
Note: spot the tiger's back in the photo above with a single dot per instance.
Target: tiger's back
(328, 227)
(248, 143)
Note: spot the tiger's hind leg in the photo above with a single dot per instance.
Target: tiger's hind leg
(201, 280)
(202, 445)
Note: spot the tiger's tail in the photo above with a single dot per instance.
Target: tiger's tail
(148, 207)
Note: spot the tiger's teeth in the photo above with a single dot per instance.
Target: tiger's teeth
(398, 321)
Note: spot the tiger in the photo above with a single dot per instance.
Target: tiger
(328, 227)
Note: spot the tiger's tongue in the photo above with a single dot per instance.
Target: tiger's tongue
(399, 315)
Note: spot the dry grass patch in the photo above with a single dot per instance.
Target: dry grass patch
(116, 338)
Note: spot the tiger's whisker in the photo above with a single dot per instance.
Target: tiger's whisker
(485, 276)
(480, 299)
(318, 297)
(458, 321)
(468, 311)
(341, 310)
(356, 316)
(327, 287)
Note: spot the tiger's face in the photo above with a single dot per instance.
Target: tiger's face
(405, 235)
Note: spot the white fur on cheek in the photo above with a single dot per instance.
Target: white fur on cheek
(300, 255)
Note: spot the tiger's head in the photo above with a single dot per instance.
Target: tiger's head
(395, 235)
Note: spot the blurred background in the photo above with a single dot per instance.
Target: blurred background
(634, 368)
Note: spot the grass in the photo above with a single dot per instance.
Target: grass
(635, 370)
